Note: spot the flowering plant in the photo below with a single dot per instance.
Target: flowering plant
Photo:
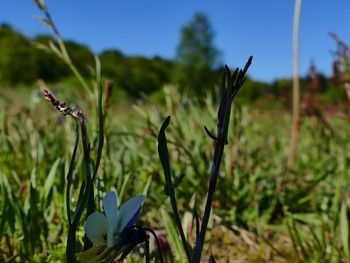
(112, 232)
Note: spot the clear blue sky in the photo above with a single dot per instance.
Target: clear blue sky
(152, 27)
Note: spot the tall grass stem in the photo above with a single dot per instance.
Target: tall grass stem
(296, 88)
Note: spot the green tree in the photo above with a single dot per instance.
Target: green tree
(197, 57)
(135, 75)
(17, 59)
(50, 67)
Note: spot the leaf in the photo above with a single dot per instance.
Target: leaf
(97, 69)
(100, 131)
(226, 111)
(178, 180)
(124, 185)
(55, 49)
(148, 183)
(31, 200)
(172, 235)
(164, 154)
(247, 65)
(293, 238)
(41, 4)
(43, 20)
(50, 179)
(210, 134)
(70, 175)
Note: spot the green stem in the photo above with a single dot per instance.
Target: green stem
(69, 177)
(79, 77)
(170, 189)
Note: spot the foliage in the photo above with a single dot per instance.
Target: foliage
(134, 75)
(197, 57)
(256, 194)
(17, 60)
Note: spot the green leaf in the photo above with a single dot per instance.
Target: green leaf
(43, 20)
(148, 183)
(55, 50)
(98, 69)
(124, 185)
(172, 235)
(50, 179)
(70, 176)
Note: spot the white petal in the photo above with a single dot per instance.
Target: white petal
(128, 210)
(96, 228)
(110, 205)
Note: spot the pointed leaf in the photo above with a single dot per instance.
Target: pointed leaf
(43, 20)
(164, 154)
(247, 65)
(145, 189)
(55, 49)
(172, 235)
(210, 134)
(178, 180)
(50, 179)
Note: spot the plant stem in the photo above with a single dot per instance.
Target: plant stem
(79, 77)
(69, 177)
(215, 168)
(170, 189)
(230, 88)
(296, 88)
(178, 222)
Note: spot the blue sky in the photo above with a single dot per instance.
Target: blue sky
(243, 27)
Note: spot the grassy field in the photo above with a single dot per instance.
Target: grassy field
(63, 150)
(262, 212)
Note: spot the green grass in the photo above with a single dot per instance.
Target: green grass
(293, 215)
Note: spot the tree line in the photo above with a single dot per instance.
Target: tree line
(195, 70)
(22, 63)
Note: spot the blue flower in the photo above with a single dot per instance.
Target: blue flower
(104, 230)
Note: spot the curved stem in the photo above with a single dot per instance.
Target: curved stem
(157, 241)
